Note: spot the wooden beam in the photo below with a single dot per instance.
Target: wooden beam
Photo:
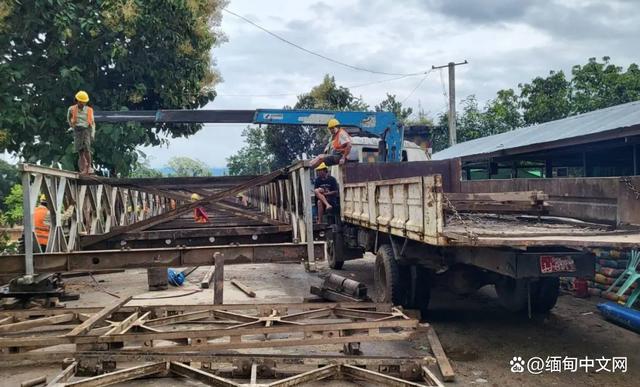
(306, 377)
(65, 375)
(124, 325)
(218, 279)
(40, 322)
(375, 377)
(199, 375)
(206, 279)
(34, 382)
(120, 376)
(244, 288)
(438, 352)
(98, 317)
(430, 378)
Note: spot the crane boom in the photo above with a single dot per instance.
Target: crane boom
(381, 124)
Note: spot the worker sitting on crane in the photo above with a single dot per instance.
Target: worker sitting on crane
(339, 147)
(326, 190)
(199, 214)
(80, 119)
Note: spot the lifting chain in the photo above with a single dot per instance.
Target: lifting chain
(627, 182)
(470, 234)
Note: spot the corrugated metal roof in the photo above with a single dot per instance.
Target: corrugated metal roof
(598, 121)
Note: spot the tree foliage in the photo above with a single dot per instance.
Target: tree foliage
(12, 214)
(8, 177)
(184, 166)
(127, 54)
(253, 158)
(391, 104)
(143, 169)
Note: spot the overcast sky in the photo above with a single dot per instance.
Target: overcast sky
(505, 41)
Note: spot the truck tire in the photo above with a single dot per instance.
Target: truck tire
(512, 294)
(386, 277)
(544, 294)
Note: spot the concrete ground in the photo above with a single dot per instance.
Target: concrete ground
(479, 337)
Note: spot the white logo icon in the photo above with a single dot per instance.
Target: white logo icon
(517, 364)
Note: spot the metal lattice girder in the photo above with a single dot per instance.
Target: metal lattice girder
(160, 257)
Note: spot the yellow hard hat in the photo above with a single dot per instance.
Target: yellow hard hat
(332, 123)
(43, 198)
(321, 166)
(82, 96)
(195, 197)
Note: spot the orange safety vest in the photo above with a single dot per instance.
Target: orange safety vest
(42, 230)
(74, 115)
(335, 141)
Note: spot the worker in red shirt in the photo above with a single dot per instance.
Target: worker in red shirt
(199, 214)
(338, 148)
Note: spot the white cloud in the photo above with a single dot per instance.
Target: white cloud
(505, 45)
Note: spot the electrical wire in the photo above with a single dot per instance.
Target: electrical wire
(416, 88)
(444, 91)
(315, 53)
(296, 94)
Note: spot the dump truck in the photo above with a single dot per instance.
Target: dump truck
(426, 226)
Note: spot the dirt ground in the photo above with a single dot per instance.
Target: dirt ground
(479, 337)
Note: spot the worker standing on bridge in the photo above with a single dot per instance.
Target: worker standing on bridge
(326, 190)
(80, 118)
(42, 223)
(339, 146)
(199, 213)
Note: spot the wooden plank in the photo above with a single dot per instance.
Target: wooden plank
(124, 325)
(206, 279)
(430, 378)
(218, 279)
(244, 288)
(6, 320)
(65, 375)
(438, 352)
(34, 382)
(306, 377)
(40, 322)
(376, 377)
(199, 375)
(120, 376)
(98, 317)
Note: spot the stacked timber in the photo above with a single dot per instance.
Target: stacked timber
(523, 202)
(610, 263)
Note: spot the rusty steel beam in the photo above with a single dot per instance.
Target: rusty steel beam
(160, 257)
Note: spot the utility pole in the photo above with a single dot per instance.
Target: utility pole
(452, 98)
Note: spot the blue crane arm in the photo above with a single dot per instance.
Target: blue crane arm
(381, 124)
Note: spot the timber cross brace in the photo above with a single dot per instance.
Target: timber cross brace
(90, 211)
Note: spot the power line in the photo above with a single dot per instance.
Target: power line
(315, 53)
(296, 94)
(416, 88)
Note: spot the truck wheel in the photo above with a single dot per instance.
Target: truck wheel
(386, 277)
(512, 294)
(544, 294)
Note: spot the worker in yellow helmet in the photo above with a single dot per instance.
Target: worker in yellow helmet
(326, 190)
(338, 148)
(80, 119)
(42, 222)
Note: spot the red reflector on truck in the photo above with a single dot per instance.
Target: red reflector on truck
(551, 264)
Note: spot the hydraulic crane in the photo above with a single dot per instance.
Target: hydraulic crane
(380, 124)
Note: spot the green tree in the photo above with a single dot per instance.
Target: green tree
(599, 85)
(13, 204)
(502, 113)
(128, 54)
(253, 158)
(143, 169)
(289, 143)
(184, 166)
(545, 99)
(391, 104)
(8, 177)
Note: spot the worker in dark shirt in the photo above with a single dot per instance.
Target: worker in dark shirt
(326, 190)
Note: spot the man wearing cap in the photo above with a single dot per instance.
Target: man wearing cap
(339, 146)
(326, 190)
(80, 119)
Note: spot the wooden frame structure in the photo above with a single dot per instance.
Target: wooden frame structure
(136, 329)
